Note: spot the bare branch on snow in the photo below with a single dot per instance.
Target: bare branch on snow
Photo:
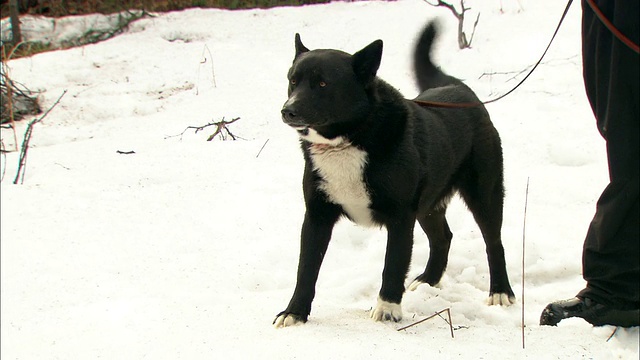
(221, 127)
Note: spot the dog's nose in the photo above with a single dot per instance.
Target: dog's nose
(289, 115)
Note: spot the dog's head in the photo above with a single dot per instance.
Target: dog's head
(328, 90)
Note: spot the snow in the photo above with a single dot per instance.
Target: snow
(187, 249)
(63, 31)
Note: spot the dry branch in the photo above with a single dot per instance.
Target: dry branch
(447, 310)
(260, 152)
(516, 73)
(204, 61)
(4, 160)
(524, 228)
(220, 126)
(16, 100)
(463, 42)
(22, 164)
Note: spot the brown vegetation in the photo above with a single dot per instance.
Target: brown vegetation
(56, 8)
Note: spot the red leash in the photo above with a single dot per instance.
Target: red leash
(633, 46)
(596, 10)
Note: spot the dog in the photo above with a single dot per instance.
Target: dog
(384, 161)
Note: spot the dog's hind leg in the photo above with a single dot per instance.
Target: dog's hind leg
(437, 229)
(484, 194)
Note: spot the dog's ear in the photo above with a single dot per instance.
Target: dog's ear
(300, 48)
(367, 61)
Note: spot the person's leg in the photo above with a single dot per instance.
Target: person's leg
(611, 250)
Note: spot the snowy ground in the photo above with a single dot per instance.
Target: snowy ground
(188, 249)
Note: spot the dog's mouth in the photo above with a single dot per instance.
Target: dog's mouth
(317, 140)
(302, 130)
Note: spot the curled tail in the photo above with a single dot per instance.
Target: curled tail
(428, 75)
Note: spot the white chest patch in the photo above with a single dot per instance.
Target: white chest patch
(341, 168)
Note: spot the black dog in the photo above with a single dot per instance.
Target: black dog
(382, 160)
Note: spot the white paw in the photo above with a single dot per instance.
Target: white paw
(501, 299)
(414, 285)
(386, 311)
(285, 320)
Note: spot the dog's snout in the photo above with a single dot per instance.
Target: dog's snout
(288, 114)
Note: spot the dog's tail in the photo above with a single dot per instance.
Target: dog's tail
(428, 75)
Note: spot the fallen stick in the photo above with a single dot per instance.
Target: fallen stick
(220, 125)
(524, 226)
(447, 310)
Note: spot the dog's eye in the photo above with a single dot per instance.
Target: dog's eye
(293, 81)
(323, 84)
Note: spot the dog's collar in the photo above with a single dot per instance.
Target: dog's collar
(318, 144)
(320, 148)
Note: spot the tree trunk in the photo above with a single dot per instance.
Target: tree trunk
(15, 22)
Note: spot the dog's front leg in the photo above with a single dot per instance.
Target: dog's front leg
(316, 233)
(396, 265)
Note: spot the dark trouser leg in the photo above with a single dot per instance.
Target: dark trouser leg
(611, 252)
(611, 257)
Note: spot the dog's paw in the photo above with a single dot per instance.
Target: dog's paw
(501, 299)
(285, 319)
(414, 285)
(385, 311)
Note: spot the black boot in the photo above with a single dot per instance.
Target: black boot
(594, 313)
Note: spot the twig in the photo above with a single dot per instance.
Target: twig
(473, 32)
(448, 6)
(613, 333)
(204, 61)
(213, 74)
(197, 128)
(518, 72)
(447, 310)
(15, 101)
(62, 166)
(449, 321)
(524, 225)
(4, 160)
(220, 125)
(462, 37)
(10, 96)
(27, 137)
(265, 144)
